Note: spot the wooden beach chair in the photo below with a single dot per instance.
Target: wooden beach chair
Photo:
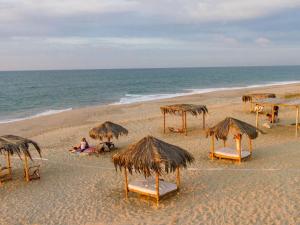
(5, 174)
(33, 173)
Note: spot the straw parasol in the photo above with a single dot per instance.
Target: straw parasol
(182, 110)
(107, 130)
(151, 155)
(234, 126)
(12, 144)
(250, 97)
(255, 96)
(17, 145)
(237, 128)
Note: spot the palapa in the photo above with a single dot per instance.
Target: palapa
(12, 144)
(108, 130)
(237, 128)
(182, 110)
(151, 155)
(290, 103)
(255, 96)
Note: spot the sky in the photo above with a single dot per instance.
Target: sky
(95, 34)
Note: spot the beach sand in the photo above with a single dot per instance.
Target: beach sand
(88, 190)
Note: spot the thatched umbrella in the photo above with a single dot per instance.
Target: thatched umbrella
(107, 130)
(11, 144)
(182, 110)
(255, 96)
(151, 155)
(235, 127)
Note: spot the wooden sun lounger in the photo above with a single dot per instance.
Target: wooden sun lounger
(147, 187)
(33, 172)
(229, 153)
(5, 174)
(176, 130)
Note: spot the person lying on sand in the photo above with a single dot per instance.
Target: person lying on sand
(82, 146)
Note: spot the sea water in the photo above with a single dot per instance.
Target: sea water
(28, 94)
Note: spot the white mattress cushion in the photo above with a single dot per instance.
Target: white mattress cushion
(229, 152)
(149, 186)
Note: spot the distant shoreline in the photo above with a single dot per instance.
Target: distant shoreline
(131, 99)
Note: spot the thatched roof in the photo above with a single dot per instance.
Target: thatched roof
(107, 130)
(152, 155)
(190, 108)
(17, 145)
(253, 96)
(234, 126)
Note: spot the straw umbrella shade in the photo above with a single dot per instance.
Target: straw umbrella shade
(108, 130)
(237, 128)
(11, 144)
(152, 156)
(182, 110)
(255, 96)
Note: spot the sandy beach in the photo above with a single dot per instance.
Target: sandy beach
(87, 190)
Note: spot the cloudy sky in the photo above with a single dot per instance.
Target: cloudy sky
(73, 34)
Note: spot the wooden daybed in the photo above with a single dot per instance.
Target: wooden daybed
(237, 128)
(151, 156)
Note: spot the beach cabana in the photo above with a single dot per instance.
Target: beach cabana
(108, 130)
(288, 103)
(182, 110)
(255, 96)
(151, 156)
(237, 128)
(11, 145)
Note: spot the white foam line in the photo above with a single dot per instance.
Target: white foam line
(135, 98)
(46, 113)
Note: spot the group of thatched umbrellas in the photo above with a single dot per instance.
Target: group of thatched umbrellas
(149, 156)
(153, 157)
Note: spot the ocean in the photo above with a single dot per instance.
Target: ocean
(28, 94)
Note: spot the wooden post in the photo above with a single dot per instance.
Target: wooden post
(224, 141)
(250, 146)
(164, 121)
(182, 114)
(177, 177)
(9, 164)
(297, 120)
(212, 146)
(256, 121)
(185, 123)
(26, 168)
(238, 146)
(157, 189)
(273, 115)
(126, 183)
(203, 116)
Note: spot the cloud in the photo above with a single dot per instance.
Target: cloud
(108, 42)
(262, 41)
(176, 10)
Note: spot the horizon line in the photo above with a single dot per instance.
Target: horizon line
(149, 68)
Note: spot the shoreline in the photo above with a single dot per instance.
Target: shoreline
(151, 98)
